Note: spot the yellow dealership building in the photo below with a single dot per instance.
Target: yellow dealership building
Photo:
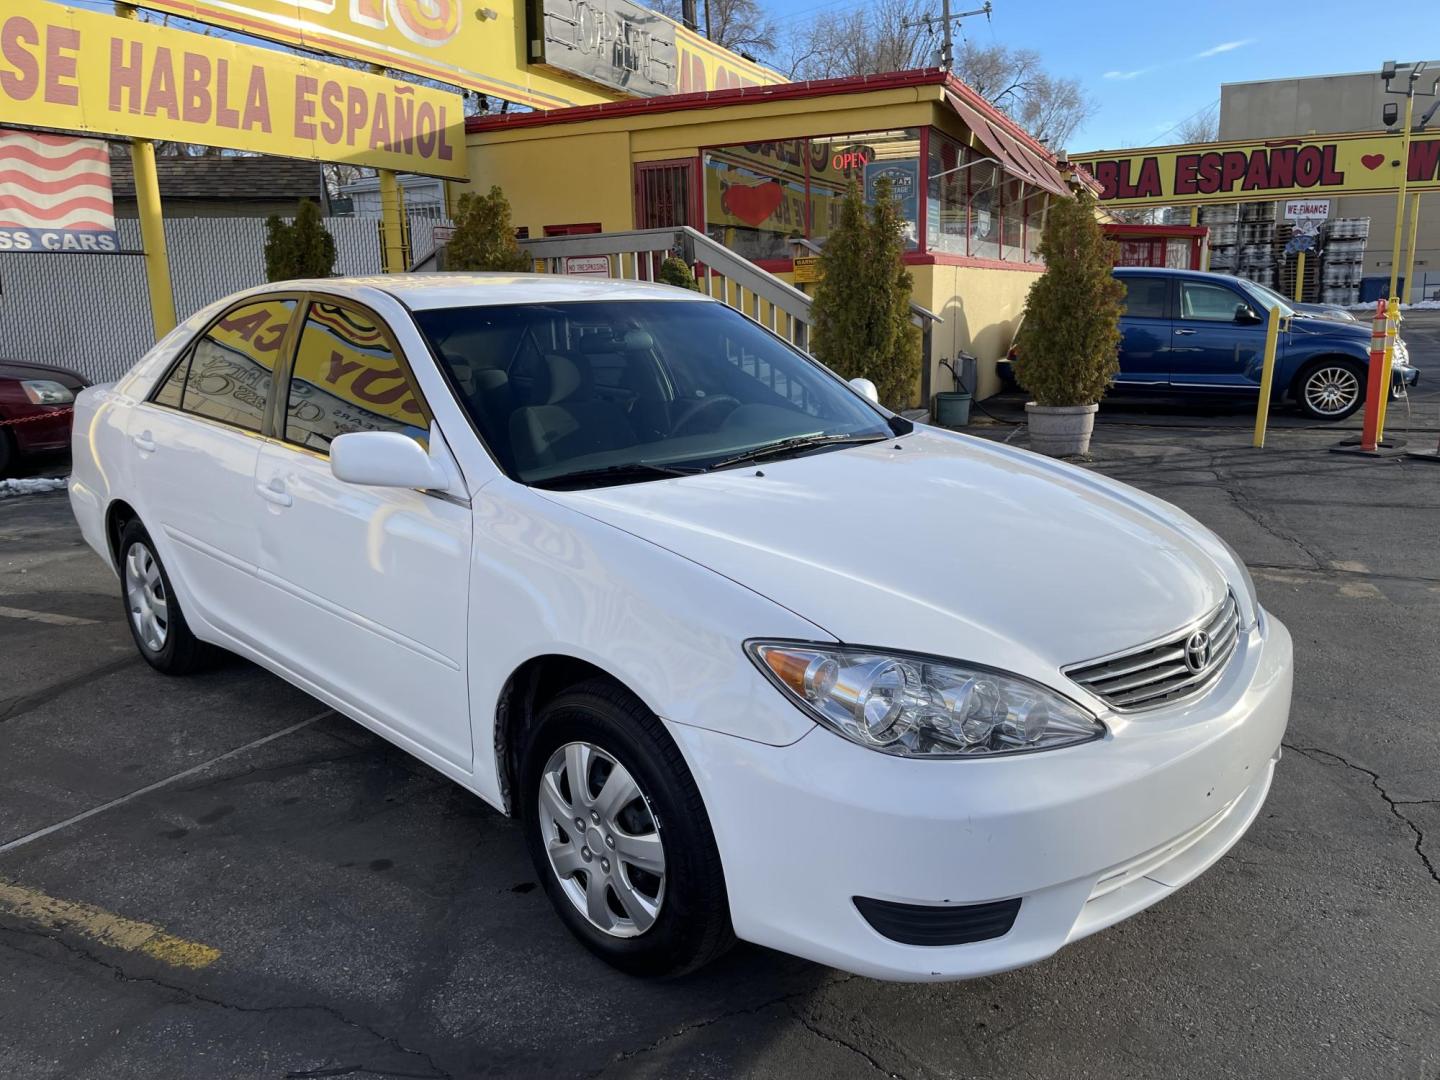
(760, 169)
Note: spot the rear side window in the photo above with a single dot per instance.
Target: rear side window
(226, 374)
(349, 377)
(1145, 297)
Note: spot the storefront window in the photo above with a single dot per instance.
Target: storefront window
(1036, 208)
(1012, 213)
(755, 197)
(759, 196)
(983, 183)
(947, 216)
(865, 159)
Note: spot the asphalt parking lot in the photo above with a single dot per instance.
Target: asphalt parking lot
(216, 877)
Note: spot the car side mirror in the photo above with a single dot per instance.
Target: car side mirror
(385, 459)
(1244, 313)
(866, 389)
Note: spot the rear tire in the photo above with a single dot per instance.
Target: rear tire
(637, 876)
(152, 611)
(1330, 390)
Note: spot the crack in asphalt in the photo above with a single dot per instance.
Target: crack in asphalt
(1335, 571)
(698, 1025)
(1314, 753)
(120, 974)
(24, 703)
(811, 1027)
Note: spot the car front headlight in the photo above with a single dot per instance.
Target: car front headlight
(45, 392)
(918, 706)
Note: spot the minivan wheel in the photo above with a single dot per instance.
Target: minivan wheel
(1331, 389)
(152, 610)
(619, 835)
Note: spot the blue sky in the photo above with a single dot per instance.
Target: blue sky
(1149, 65)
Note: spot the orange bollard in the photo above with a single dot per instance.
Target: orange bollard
(1379, 382)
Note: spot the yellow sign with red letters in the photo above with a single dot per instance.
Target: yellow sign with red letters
(148, 81)
(1360, 163)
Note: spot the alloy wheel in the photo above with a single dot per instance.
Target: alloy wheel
(1332, 390)
(602, 839)
(146, 598)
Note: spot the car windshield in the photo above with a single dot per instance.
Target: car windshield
(621, 391)
(1269, 297)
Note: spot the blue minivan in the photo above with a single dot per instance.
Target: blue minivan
(1186, 333)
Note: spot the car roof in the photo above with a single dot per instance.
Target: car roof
(1171, 271)
(449, 290)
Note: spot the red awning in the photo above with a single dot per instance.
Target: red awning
(1014, 156)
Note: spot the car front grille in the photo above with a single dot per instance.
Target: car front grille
(1180, 666)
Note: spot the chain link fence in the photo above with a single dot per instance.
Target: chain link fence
(91, 313)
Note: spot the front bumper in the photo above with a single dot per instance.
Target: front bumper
(1084, 837)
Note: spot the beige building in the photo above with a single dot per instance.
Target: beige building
(1328, 104)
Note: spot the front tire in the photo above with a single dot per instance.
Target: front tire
(1330, 389)
(152, 611)
(619, 835)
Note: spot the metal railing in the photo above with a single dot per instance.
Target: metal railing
(719, 272)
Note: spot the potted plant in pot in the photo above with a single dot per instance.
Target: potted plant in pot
(1067, 349)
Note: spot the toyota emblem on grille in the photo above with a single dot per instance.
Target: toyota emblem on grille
(1197, 651)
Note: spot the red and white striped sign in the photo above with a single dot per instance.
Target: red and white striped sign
(55, 194)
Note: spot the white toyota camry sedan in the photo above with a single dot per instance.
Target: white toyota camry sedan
(747, 655)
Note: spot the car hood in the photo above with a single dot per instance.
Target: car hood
(1310, 325)
(938, 543)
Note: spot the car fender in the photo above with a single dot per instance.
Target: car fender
(546, 580)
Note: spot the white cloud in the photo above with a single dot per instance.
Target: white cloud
(1223, 47)
(1126, 74)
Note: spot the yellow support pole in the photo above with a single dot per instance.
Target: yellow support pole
(1392, 325)
(393, 249)
(152, 225)
(1267, 378)
(392, 223)
(1410, 247)
(1299, 277)
(1400, 194)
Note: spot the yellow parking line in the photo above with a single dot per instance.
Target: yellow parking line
(103, 926)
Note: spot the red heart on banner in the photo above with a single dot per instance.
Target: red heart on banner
(1373, 161)
(752, 205)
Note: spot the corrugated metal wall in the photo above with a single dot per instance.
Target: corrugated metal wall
(92, 312)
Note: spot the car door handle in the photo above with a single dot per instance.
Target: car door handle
(1180, 332)
(275, 492)
(144, 441)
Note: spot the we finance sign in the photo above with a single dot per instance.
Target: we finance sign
(1361, 163)
(85, 71)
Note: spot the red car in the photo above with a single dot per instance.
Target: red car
(35, 410)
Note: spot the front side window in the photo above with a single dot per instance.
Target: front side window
(558, 390)
(227, 372)
(1210, 303)
(347, 377)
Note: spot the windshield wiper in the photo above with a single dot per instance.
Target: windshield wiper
(792, 445)
(619, 474)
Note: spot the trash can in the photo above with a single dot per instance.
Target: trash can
(952, 409)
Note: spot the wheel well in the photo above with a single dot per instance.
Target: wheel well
(1332, 358)
(533, 685)
(117, 517)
